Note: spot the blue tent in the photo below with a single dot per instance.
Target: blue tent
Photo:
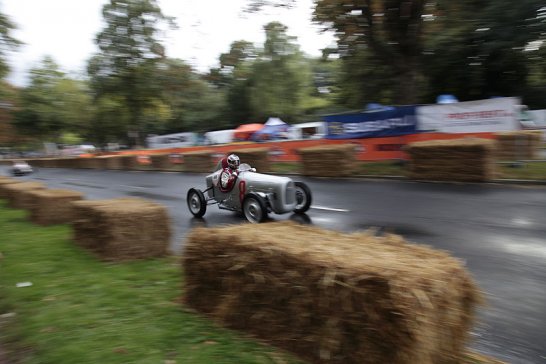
(273, 129)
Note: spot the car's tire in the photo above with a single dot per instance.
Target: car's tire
(197, 204)
(255, 208)
(303, 198)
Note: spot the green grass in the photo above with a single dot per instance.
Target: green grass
(81, 310)
(528, 170)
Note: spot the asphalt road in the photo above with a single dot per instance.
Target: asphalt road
(499, 231)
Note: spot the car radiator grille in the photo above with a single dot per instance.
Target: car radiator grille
(289, 194)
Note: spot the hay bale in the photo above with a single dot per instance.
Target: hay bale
(198, 162)
(129, 162)
(256, 157)
(52, 206)
(464, 160)
(17, 193)
(160, 162)
(114, 162)
(331, 297)
(328, 160)
(122, 229)
(519, 145)
(4, 181)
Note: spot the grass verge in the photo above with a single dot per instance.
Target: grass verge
(81, 310)
(72, 308)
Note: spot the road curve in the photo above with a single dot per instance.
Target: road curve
(498, 231)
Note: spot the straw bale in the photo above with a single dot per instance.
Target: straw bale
(328, 160)
(114, 162)
(517, 145)
(86, 163)
(4, 181)
(161, 162)
(122, 228)
(465, 160)
(17, 195)
(198, 162)
(331, 297)
(52, 206)
(129, 162)
(256, 157)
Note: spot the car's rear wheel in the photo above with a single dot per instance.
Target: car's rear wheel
(255, 208)
(196, 202)
(303, 198)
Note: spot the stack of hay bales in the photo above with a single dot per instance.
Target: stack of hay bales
(328, 160)
(519, 145)
(86, 163)
(122, 229)
(161, 162)
(257, 158)
(52, 206)
(114, 162)
(331, 297)
(128, 162)
(5, 181)
(463, 160)
(18, 193)
(198, 162)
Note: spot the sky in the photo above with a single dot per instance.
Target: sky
(65, 30)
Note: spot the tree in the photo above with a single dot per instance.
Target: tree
(53, 104)
(130, 51)
(7, 42)
(193, 103)
(390, 30)
(481, 49)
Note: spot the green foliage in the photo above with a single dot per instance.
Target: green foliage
(129, 53)
(7, 42)
(480, 49)
(193, 103)
(53, 104)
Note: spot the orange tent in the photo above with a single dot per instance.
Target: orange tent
(243, 132)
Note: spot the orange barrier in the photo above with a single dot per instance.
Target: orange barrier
(369, 149)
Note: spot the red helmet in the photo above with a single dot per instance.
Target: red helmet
(233, 161)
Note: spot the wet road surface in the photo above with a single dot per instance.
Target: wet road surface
(498, 231)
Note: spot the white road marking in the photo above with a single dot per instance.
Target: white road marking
(328, 209)
(133, 186)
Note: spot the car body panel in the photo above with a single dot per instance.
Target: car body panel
(279, 192)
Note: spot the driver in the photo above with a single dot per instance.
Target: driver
(230, 172)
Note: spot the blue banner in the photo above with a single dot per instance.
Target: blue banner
(392, 121)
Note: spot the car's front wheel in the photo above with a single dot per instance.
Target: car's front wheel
(196, 202)
(303, 198)
(255, 208)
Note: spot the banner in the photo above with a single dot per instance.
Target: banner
(392, 121)
(493, 115)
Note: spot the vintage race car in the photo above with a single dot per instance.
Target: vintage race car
(253, 194)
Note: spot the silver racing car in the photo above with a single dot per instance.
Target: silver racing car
(253, 194)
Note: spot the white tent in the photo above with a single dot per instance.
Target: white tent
(274, 121)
